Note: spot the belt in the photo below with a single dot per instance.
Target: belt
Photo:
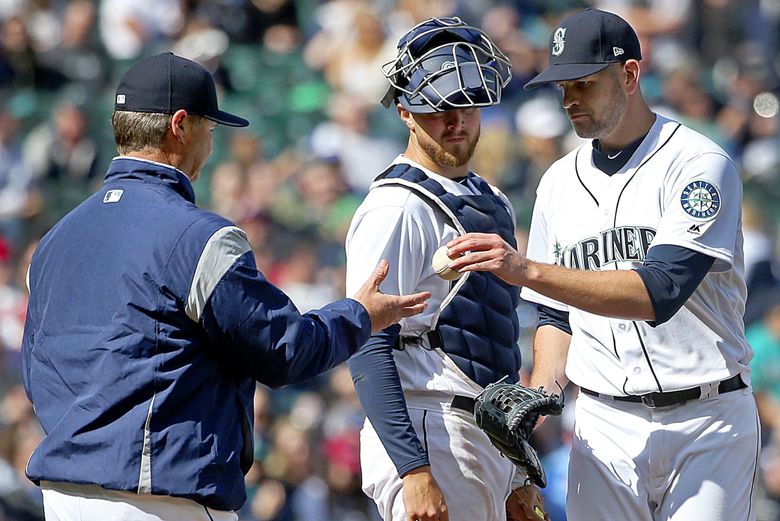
(463, 403)
(654, 400)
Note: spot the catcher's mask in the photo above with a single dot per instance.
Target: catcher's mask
(445, 64)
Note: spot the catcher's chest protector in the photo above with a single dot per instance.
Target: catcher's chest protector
(479, 326)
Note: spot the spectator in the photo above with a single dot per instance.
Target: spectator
(540, 128)
(77, 55)
(292, 492)
(556, 462)
(317, 199)
(252, 21)
(63, 156)
(13, 306)
(340, 446)
(760, 261)
(127, 28)
(355, 69)
(302, 280)
(19, 433)
(19, 198)
(231, 194)
(17, 60)
(346, 137)
(764, 338)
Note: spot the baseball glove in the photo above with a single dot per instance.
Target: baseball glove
(508, 414)
(526, 504)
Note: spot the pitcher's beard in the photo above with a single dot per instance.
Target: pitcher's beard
(598, 127)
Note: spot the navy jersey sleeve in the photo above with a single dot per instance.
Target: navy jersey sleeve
(671, 274)
(257, 330)
(553, 317)
(379, 390)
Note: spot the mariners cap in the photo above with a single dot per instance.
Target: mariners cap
(165, 83)
(585, 43)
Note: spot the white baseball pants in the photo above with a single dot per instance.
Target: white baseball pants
(695, 462)
(70, 502)
(473, 476)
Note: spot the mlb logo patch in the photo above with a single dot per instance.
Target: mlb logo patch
(113, 196)
(120, 99)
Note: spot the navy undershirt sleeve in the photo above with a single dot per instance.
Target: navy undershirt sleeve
(553, 317)
(379, 389)
(671, 274)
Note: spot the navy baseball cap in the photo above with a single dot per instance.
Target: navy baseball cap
(585, 43)
(165, 83)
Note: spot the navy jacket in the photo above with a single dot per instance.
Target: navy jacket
(147, 327)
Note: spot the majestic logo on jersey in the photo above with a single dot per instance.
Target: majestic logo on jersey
(558, 41)
(625, 243)
(700, 200)
(695, 229)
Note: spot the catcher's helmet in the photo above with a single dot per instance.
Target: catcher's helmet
(445, 64)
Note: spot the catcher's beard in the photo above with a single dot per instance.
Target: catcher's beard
(458, 157)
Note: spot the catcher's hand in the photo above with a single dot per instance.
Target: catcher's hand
(526, 504)
(508, 414)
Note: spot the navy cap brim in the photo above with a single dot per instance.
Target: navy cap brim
(565, 72)
(225, 118)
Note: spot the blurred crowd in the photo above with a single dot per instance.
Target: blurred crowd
(306, 73)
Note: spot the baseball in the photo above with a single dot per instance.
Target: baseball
(441, 265)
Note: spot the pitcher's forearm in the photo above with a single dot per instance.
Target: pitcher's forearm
(617, 294)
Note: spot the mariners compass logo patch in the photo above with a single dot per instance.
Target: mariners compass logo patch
(558, 41)
(700, 200)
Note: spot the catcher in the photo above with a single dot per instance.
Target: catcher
(423, 456)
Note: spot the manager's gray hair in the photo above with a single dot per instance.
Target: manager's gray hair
(136, 131)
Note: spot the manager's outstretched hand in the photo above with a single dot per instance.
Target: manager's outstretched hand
(386, 310)
(488, 252)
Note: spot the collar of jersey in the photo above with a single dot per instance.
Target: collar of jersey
(610, 165)
(124, 168)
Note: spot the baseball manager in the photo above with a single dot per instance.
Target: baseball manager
(149, 324)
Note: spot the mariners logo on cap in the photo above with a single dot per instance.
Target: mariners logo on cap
(558, 41)
(700, 200)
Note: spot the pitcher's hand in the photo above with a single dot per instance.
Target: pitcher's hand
(386, 310)
(488, 252)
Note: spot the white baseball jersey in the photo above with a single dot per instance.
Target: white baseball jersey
(678, 189)
(395, 224)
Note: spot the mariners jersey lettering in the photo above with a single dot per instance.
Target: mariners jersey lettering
(625, 243)
(584, 219)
